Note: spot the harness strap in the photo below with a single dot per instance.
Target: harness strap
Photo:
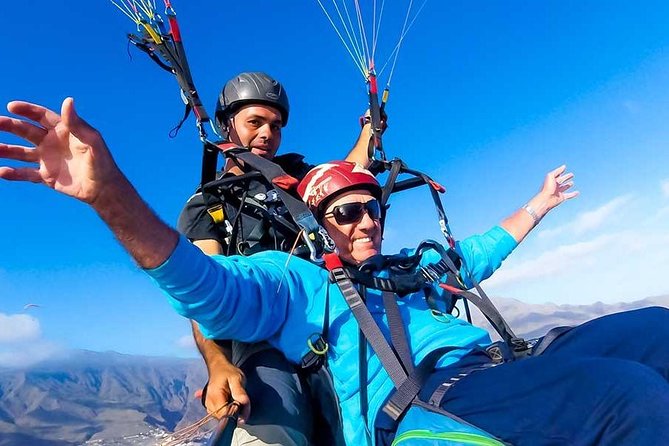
(369, 328)
(548, 339)
(397, 361)
(438, 395)
(395, 168)
(407, 392)
(398, 335)
(518, 345)
(362, 373)
(209, 162)
(297, 209)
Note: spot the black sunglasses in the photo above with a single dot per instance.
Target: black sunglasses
(348, 213)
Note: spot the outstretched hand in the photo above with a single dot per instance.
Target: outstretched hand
(68, 155)
(554, 191)
(555, 187)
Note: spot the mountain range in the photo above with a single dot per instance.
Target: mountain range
(108, 398)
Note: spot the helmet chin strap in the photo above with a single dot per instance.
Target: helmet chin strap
(229, 127)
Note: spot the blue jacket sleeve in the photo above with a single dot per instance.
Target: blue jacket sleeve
(483, 254)
(230, 297)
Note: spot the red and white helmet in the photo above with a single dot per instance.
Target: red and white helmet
(325, 182)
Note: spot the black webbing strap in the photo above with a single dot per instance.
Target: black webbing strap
(438, 395)
(362, 365)
(395, 168)
(209, 162)
(490, 312)
(407, 392)
(369, 328)
(548, 339)
(408, 380)
(398, 335)
(296, 208)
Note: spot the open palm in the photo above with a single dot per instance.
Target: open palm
(556, 186)
(69, 153)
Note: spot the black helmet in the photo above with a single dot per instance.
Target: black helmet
(251, 88)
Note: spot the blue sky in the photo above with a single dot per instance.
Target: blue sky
(487, 97)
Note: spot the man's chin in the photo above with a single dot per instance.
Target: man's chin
(364, 254)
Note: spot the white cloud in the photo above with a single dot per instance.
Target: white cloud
(24, 355)
(21, 342)
(17, 328)
(590, 220)
(621, 266)
(551, 262)
(664, 184)
(186, 342)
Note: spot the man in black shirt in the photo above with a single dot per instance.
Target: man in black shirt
(290, 406)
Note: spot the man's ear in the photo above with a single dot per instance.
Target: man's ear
(225, 129)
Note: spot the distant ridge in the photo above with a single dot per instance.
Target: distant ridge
(108, 399)
(92, 395)
(533, 320)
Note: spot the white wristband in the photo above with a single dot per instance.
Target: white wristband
(533, 214)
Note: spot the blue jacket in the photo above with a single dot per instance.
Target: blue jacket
(268, 297)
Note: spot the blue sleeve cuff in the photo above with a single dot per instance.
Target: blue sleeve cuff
(483, 254)
(504, 242)
(177, 263)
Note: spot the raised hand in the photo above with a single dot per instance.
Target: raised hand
(71, 157)
(554, 191)
(555, 187)
(68, 155)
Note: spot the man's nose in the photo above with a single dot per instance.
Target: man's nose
(265, 131)
(366, 221)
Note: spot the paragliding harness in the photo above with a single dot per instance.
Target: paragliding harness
(406, 275)
(278, 217)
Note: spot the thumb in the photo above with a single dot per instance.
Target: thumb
(239, 394)
(76, 125)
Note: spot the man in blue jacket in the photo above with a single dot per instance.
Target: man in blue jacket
(595, 384)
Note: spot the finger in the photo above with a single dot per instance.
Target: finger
(20, 174)
(18, 153)
(565, 186)
(22, 129)
(565, 177)
(240, 396)
(37, 113)
(75, 124)
(557, 172)
(570, 195)
(217, 405)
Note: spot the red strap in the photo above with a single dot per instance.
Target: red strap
(226, 146)
(285, 182)
(332, 261)
(450, 289)
(438, 187)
